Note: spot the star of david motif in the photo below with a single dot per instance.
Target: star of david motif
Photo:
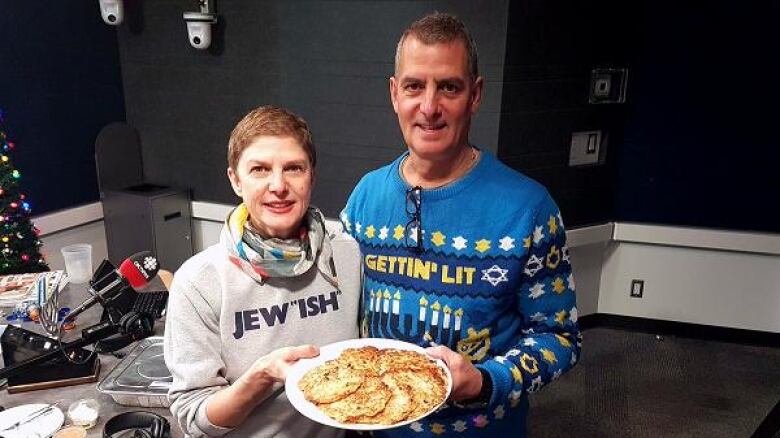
(534, 265)
(494, 280)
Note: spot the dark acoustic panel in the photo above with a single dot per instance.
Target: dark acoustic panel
(60, 83)
(701, 143)
(551, 48)
(695, 142)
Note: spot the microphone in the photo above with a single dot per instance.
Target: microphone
(135, 271)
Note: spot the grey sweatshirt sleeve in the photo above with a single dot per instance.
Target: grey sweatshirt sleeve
(192, 349)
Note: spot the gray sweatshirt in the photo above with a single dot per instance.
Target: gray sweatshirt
(220, 321)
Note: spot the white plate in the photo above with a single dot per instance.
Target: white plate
(332, 351)
(41, 427)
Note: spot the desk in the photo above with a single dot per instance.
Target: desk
(71, 296)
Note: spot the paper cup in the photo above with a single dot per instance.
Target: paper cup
(78, 262)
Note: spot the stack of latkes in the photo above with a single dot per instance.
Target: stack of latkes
(372, 386)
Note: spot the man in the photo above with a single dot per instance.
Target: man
(459, 251)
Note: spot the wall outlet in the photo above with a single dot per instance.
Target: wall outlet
(637, 288)
(585, 148)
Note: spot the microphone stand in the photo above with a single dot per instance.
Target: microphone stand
(89, 335)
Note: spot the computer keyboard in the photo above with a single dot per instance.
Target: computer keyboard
(152, 303)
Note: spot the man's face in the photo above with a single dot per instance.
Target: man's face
(274, 178)
(434, 98)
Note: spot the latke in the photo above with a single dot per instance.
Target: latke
(376, 386)
(330, 382)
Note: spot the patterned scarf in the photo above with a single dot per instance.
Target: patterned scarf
(262, 258)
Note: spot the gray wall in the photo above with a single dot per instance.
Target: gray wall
(329, 61)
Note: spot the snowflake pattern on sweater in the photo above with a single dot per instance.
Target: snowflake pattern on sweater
(493, 282)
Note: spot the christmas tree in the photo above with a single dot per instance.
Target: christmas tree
(19, 241)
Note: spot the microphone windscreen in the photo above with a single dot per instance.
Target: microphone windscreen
(139, 268)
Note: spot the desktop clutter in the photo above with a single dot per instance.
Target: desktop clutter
(48, 357)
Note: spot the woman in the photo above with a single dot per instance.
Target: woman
(276, 285)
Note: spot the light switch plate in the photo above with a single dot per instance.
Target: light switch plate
(585, 148)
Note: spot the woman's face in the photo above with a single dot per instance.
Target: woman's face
(274, 178)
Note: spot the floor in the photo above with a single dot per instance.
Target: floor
(630, 384)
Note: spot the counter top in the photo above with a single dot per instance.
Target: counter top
(71, 296)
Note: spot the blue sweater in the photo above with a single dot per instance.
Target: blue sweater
(493, 283)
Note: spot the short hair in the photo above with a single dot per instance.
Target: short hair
(272, 121)
(441, 28)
